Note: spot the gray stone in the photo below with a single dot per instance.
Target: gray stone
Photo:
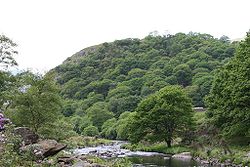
(44, 148)
(27, 135)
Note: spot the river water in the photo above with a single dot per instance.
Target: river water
(138, 158)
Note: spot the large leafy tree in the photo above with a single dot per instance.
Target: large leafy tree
(162, 116)
(37, 102)
(229, 99)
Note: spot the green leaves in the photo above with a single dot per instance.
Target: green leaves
(37, 103)
(228, 101)
(7, 51)
(140, 67)
(162, 116)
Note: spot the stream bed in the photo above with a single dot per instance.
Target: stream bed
(138, 158)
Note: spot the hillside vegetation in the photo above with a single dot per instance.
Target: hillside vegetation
(121, 73)
(143, 91)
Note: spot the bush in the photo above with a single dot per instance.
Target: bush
(58, 130)
(90, 131)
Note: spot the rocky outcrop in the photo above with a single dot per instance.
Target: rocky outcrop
(44, 148)
(27, 135)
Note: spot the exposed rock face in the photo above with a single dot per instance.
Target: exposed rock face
(27, 135)
(186, 156)
(44, 148)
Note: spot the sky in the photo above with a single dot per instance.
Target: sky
(49, 31)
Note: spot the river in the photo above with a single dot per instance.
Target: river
(138, 158)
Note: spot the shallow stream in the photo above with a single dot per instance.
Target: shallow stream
(138, 158)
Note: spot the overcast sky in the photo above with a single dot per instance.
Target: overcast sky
(49, 31)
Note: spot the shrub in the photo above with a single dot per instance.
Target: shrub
(90, 131)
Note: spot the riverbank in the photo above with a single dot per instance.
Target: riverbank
(240, 156)
(112, 153)
(137, 158)
(158, 147)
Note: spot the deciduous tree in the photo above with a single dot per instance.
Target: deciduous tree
(162, 116)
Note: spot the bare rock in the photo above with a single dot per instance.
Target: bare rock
(27, 135)
(44, 148)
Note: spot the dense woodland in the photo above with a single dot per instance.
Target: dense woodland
(108, 81)
(141, 90)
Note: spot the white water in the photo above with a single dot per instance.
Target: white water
(113, 150)
(138, 158)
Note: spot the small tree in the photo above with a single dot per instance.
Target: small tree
(183, 74)
(162, 116)
(98, 114)
(37, 102)
(91, 131)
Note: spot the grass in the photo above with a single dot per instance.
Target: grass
(158, 147)
(116, 162)
(238, 156)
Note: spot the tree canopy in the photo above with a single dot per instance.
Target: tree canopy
(36, 103)
(162, 116)
(229, 99)
(126, 71)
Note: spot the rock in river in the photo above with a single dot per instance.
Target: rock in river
(186, 156)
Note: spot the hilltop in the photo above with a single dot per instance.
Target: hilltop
(122, 73)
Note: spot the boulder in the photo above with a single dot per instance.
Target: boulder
(186, 156)
(27, 135)
(44, 148)
(66, 160)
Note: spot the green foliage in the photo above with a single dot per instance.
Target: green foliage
(90, 131)
(123, 123)
(162, 116)
(37, 102)
(7, 51)
(116, 162)
(183, 74)
(84, 141)
(79, 123)
(120, 105)
(228, 100)
(98, 114)
(10, 154)
(157, 147)
(126, 71)
(58, 130)
(109, 129)
(7, 91)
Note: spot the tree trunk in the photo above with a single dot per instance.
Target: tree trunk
(169, 143)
